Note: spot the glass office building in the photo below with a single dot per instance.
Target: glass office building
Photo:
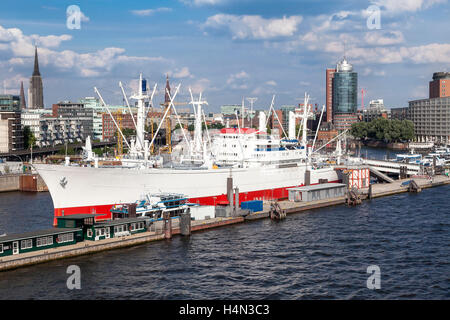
(345, 95)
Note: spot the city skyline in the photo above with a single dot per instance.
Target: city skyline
(227, 49)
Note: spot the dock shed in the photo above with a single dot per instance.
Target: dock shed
(76, 220)
(116, 228)
(317, 192)
(39, 240)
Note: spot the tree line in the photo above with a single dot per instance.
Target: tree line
(384, 130)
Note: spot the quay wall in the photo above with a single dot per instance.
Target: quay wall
(9, 183)
(78, 249)
(22, 182)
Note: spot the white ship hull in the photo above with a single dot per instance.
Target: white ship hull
(96, 190)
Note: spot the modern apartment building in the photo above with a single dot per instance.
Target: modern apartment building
(11, 134)
(78, 111)
(431, 119)
(375, 110)
(51, 131)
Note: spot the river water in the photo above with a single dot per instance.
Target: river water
(318, 254)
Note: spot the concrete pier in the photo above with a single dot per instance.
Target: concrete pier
(22, 182)
(9, 183)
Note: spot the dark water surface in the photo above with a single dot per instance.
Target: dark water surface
(320, 254)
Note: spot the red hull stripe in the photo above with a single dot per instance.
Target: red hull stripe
(104, 210)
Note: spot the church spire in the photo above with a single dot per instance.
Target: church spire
(23, 104)
(167, 99)
(36, 63)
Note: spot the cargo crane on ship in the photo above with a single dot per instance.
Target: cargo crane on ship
(167, 108)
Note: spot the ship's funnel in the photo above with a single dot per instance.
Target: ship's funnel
(291, 125)
(262, 121)
(87, 149)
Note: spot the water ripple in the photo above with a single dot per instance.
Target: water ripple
(321, 254)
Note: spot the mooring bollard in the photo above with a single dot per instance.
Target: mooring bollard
(167, 225)
(185, 224)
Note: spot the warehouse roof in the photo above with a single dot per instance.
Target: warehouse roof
(38, 233)
(120, 221)
(322, 186)
(79, 216)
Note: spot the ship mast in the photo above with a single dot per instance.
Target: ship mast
(140, 96)
(198, 141)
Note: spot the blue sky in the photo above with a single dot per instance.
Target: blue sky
(229, 49)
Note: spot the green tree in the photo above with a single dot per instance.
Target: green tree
(28, 137)
(128, 132)
(70, 150)
(384, 130)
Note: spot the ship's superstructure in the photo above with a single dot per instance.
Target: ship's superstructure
(262, 167)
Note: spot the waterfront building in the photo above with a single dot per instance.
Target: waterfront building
(375, 110)
(440, 85)
(52, 131)
(326, 133)
(97, 114)
(70, 230)
(345, 94)
(329, 94)
(399, 113)
(285, 116)
(35, 89)
(78, 111)
(274, 124)
(123, 120)
(431, 119)
(230, 109)
(11, 134)
(39, 240)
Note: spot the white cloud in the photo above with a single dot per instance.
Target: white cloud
(240, 75)
(430, 53)
(238, 80)
(369, 71)
(180, 73)
(271, 83)
(23, 45)
(149, 12)
(83, 17)
(380, 38)
(254, 27)
(12, 84)
(397, 6)
(200, 85)
(199, 3)
(51, 41)
(18, 50)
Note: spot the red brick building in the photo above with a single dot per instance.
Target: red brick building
(109, 130)
(440, 86)
(275, 123)
(124, 120)
(329, 98)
